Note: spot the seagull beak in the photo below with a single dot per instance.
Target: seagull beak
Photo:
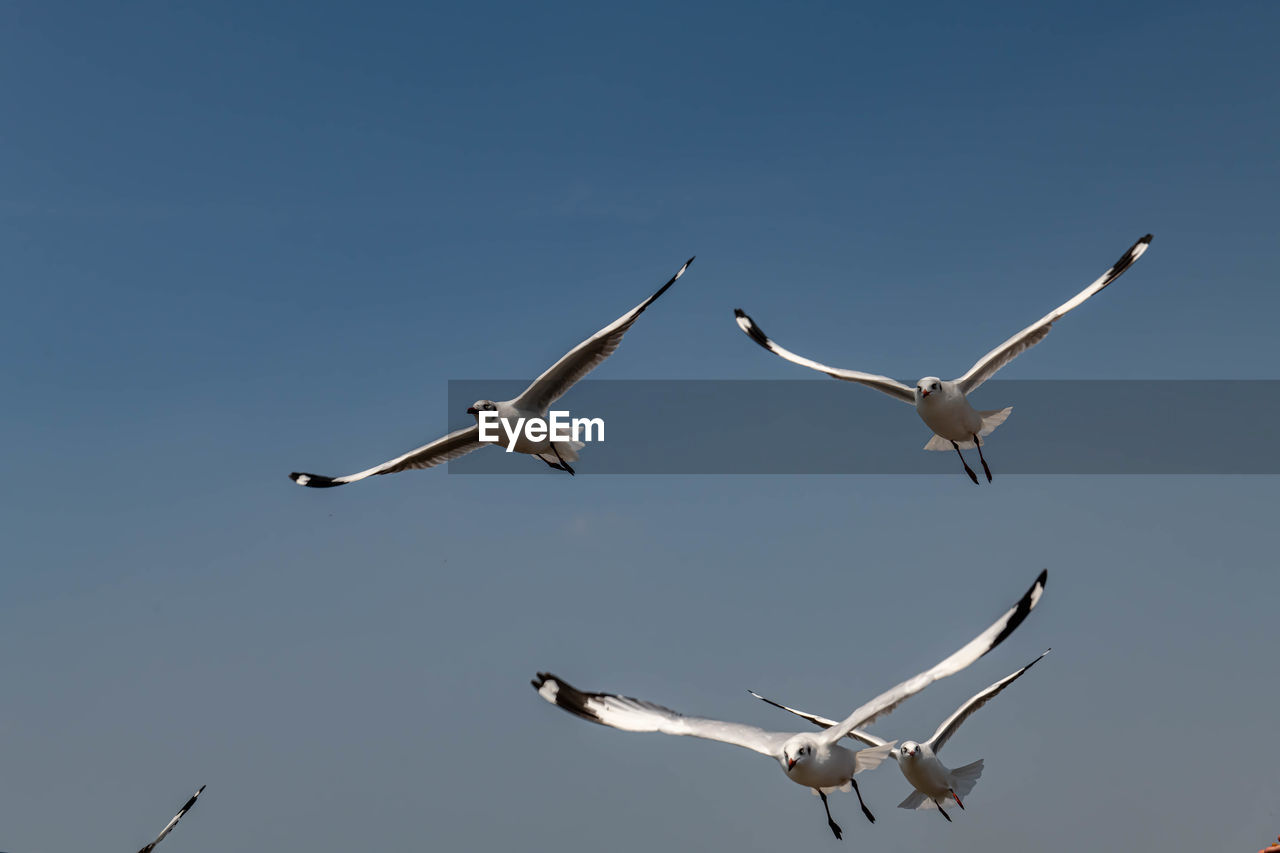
(472, 410)
(791, 763)
(924, 392)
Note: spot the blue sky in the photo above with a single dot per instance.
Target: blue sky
(240, 241)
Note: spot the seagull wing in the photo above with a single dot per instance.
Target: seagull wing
(823, 723)
(455, 444)
(949, 726)
(976, 648)
(636, 715)
(172, 823)
(1035, 333)
(584, 358)
(892, 387)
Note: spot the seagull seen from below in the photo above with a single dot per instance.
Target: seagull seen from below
(941, 404)
(168, 827)
(815, 761)
(932, 780)
(532, 403)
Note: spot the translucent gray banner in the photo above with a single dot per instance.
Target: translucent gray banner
(828, 427)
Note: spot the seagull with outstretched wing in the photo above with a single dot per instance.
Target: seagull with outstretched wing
(932, 780)
(816, 761)
(943, 405)
(532, 403)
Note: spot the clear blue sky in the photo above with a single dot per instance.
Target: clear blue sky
(240, 240)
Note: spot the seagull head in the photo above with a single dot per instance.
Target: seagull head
(797, 751)
(481, 406)
(909, 749)
(928, 385)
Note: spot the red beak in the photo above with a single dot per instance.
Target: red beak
(924, 393)
(791, 763)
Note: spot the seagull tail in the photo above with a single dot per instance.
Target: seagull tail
(964, 778)
(917, 800)
(991, 419)
(868, 759)
(569, 449)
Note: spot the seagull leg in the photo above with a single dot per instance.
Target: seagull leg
(559, 466)
(956, 797)
(967, 469)
(564, 466)
(944, 811)
(835, 827)
(985, 469)
(549, 464)
(866, 811)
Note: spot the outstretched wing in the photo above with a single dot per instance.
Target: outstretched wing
(1035, 333)
(972, 651)
(583, 358)
(949, 726)
(823, 723)
(172, 823)
(636, 715)
(892, 387)
(455, 444)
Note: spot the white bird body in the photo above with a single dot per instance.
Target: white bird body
(827, 767)
(814, 760)
(926, 773)
(533, 402)
(947, 411)
(943, 405)
(511, 420)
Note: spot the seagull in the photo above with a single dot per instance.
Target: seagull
(533, 402)
(943, 405)
(814, 761)
(168, 827)
(932, 780)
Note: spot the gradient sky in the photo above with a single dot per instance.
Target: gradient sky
(243, 239)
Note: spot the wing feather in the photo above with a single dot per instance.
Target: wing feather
(949, 725)
(636, 715)
(585, 357)
(457, 443)
(972, 651)
(173, 822)
(986, 366)
(889, 386)
(823, 723)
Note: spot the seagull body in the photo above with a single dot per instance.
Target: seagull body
(814, 760)
(168, 827)
(533, 403)
(943, 405)
(933, 781)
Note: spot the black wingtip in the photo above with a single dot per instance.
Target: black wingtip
(563, 695)
(1135, 251)
(746, 324)
(1022, 609)
(314, 481)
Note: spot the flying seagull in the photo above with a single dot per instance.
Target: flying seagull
(932, 780)
(943, 405)
(814, 761)
(533, 402)
(168, 827)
